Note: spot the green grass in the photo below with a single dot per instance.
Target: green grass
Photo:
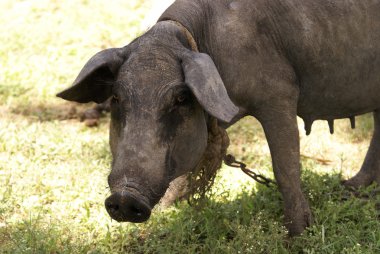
(53, 168)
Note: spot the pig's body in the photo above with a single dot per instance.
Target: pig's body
(273, 59)
(328, 50)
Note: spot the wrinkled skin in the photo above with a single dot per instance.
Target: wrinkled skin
(271, 59)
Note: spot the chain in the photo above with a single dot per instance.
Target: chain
(230, 160)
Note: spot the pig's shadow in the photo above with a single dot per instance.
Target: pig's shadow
(51, 112)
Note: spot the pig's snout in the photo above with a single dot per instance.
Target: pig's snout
(127, 207)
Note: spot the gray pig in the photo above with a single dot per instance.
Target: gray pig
(271, 59)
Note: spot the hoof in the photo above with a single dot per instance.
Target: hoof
(299, 219)
(360, 180)
(296, 228)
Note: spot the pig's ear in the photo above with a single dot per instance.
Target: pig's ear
(203, 79)
(94, 82)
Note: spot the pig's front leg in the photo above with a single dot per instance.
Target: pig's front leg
(281, 130)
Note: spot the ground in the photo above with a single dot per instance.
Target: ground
(53, 168)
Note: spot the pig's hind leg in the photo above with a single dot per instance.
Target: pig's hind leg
(370, 170)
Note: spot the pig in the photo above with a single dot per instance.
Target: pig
(224, 60)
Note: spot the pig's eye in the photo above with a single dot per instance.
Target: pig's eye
(183, 98)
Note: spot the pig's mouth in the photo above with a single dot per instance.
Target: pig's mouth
(128, 206)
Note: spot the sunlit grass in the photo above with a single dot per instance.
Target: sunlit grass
(53, 168)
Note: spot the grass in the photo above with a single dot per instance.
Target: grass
(53, 168)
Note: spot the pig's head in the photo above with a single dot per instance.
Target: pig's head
(162, 96)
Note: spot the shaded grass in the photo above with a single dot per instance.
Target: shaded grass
(251, 223)
(53, 169)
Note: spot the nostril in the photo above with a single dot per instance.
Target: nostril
(137, 211)
(112, 207)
